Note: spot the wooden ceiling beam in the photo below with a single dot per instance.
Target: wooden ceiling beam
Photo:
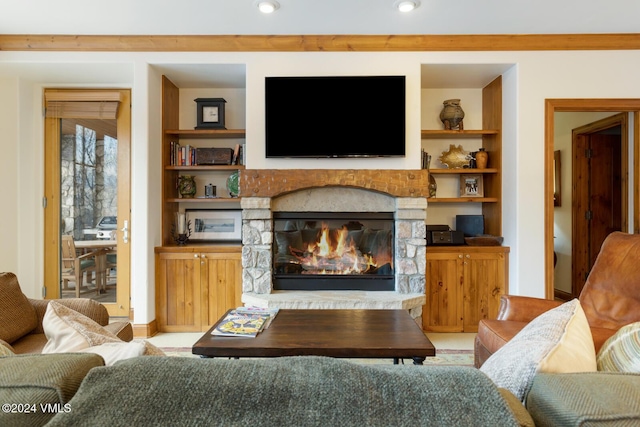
(313, 43)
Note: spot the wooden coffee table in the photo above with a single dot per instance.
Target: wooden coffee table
(333, 333)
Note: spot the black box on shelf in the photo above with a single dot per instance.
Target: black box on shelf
(442, 235)
(214, 156)
(470, 225)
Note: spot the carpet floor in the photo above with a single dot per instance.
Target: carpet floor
(442, 357)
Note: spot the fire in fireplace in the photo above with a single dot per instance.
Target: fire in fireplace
(333, 251)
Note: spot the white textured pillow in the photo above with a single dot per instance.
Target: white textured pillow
(68, 331)
(621, 352)
(558, 341)
(5, 351)
(112, 352)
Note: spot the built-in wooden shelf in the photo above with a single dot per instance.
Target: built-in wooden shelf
(453, 134)
(204, 167)
(461, 171)
(206, 133)
(203, 200)
(462, 200)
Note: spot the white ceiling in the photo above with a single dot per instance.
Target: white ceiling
(199, 17)
(318, 17)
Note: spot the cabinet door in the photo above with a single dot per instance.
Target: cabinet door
(484, 283)
(178, 292)
(221, 285)
(443, 309)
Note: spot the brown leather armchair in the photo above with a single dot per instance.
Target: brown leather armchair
(21, 318)
(610, 299)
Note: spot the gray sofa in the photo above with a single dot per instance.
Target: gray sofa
(585, 399)
(300, 391)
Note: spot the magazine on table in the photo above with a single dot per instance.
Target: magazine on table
(244, 322)
(270, 312)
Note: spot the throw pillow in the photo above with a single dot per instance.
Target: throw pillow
(17, 315)
(69, 331)
(621, 352)
(112, 352)
(5, 351)
(556, 341)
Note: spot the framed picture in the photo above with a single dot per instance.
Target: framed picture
(471, 186)
(210, 113)
(215, 225)
(557, 167)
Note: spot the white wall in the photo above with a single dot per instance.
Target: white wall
(8, 172)
(535, 77)
(330, 63)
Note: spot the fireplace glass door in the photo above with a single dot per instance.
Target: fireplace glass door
(333, 251)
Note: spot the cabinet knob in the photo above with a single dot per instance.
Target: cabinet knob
(460, 256)
(196, 255)
(203, 256)
(468, 256)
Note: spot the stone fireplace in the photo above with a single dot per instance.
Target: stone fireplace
(399, 195)
(333, 251)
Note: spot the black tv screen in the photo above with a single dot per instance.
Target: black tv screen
(335, 116)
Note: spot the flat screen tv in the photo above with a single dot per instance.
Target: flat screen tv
(335, 116)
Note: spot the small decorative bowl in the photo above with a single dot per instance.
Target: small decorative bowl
(484, 240)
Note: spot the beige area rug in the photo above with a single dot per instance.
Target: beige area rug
(442, 357)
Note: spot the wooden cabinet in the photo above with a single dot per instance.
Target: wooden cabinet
(463, 285)
(195, 285)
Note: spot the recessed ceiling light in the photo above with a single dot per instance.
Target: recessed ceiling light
(406, 5)
(267, 6)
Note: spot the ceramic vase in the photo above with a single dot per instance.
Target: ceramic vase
(482, 158)
(186, 186)
(452, 115)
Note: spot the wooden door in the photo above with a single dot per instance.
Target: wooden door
(87, 179)
(598, 206)
(443, 309)
(485, 279)
(605, 197)
(178, 307)
(221, 278)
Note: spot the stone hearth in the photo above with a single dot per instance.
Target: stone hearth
(401, 192)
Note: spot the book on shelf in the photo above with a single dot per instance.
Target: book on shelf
(244, 322)
(236, 152)
(426, 159)
(173, 152)
(181, 155)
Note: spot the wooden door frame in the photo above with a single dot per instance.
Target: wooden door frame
(582, 105)
(52, 194)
